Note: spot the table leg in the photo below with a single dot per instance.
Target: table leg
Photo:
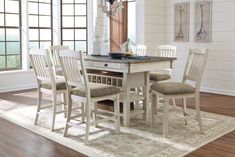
(165, 117)
(126, 102)
(146, 91)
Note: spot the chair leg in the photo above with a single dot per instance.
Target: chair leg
(88, 116)
(174, 104)
(154, 108)
(39, 102)
(185, 111)
(83, 112)
(165, 117)
(63, 96)
(159, 104)
(137, 103)
(69, 111)
(94, 115)
(146, 104)
(54, 111)
(198, 113)
(117, 114)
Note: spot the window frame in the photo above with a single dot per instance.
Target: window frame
(5, 41)
(39, 28)
(74, 27)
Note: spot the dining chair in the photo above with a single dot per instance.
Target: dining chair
(81, 90)
(169, 90)
(168, 51)
(55, 58)
(47, 83)
(140, 50)
(163, 75)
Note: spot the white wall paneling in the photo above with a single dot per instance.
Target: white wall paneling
(17, 80)
(154, 24)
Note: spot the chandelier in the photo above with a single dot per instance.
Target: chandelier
(111, 7)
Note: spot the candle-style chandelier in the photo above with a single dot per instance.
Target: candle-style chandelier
(111, 7)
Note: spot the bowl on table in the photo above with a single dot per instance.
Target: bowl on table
(117, 55)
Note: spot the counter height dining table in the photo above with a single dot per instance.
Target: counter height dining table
(136, 73)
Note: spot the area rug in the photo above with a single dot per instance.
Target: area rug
(137, 140)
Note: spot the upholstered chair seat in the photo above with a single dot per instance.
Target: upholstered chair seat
(96, 90)
(159, 77)
(172, 88)
(59, 72)
(60, 85)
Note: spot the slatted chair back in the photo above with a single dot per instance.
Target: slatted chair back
(55, 54)
(195, 66)
(73, 66)
(166, 51)
(40, 60)
(141, 50)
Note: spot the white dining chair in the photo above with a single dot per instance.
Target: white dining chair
(79, 89)
(168, 51)
(169, 90)
(163, 75)
(47, 83)
(140, 50)
(55, 58)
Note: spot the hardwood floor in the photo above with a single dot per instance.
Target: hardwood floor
(225, 145)
(29, 144)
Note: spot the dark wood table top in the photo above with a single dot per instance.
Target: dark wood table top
(133, 60)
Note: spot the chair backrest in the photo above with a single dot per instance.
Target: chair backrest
(195, 66)
(73, 66)
(42, 65)
(141, 50)
(55, 54)
(166, 51)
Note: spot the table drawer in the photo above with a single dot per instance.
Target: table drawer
(108, 65)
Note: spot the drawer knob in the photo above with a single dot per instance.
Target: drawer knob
(105, 65)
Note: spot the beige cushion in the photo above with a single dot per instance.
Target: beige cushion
(59, 73)
(159, 77)
(60, 85)
(170, 88)
(97, 90)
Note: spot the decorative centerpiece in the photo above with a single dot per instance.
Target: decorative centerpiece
(111, 7)
(117, 55)
(127, 49)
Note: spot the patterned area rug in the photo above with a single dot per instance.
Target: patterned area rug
(137, 140)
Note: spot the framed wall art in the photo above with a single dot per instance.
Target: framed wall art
(182, 22)
(203, 21)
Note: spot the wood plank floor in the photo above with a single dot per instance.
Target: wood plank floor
(29, 144)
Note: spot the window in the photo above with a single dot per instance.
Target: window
(10, 35)
(74, 24)
(132, 20)
(40, 23)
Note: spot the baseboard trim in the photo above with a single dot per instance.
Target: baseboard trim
(18, 88)
(218, 91)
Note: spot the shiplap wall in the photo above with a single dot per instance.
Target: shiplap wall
(154, 12)
(219, 76)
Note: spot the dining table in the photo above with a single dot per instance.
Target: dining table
(136, 73)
